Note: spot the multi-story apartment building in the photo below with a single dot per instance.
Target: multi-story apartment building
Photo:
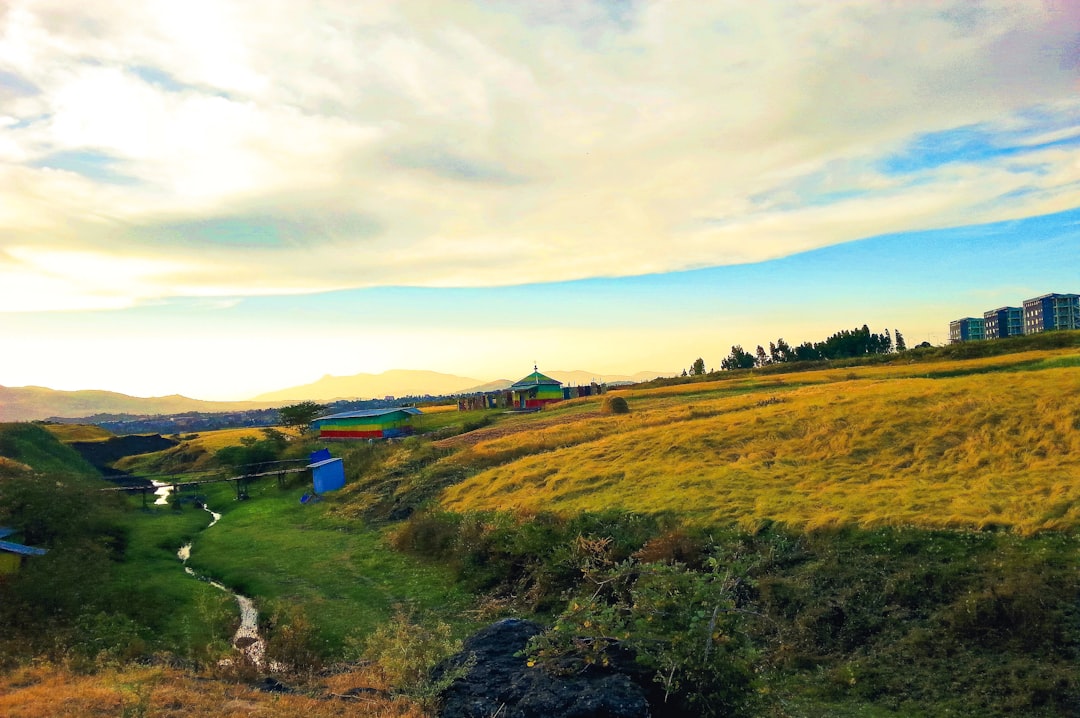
(1050, 312)
(968, 329)
(1003, 322)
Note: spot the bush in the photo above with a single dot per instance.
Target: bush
(681, 625)
(292, 642)
(405, 650)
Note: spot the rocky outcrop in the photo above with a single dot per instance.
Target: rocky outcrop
(499, 682)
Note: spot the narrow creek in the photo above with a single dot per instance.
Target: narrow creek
(246, 639)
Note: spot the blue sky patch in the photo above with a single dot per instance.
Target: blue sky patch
(17, 84)
(972, 144)
(267, 231)
(158, 78)
(98, 166)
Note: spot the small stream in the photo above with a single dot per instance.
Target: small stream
(246, 639)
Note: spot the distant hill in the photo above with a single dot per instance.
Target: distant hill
(397, 382)
(571, 378)
(30, 403)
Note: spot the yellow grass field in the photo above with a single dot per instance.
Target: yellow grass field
(78, 432)
(215, 440)
(870, 446)
(44, 691)
(438, 409)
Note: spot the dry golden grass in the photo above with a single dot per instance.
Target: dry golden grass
(215, 440)
(11, 467)
(194, 452)
(864, 446)
(78, 432)
(439, 409)
(50, 692)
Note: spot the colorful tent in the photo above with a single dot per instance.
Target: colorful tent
(366, 424)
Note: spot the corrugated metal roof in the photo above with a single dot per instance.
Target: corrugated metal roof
(324, 462)
(22, 550)
(534, 379)
(362, 413)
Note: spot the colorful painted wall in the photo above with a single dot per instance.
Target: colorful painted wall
(383, 426)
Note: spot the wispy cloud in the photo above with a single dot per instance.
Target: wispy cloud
(296, 147)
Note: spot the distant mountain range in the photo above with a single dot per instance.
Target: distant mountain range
(405, 382)
(31, 403)
(397, 382)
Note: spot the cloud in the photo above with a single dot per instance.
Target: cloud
(294, 148)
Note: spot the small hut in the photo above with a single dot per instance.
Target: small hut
(536, 391)
(367, 424)
(13, 554)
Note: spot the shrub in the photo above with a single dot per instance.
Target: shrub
(681, 625)
(292, 641)
(674, 546)
(405, 650)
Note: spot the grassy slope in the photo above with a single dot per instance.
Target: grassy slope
(195, 452)
(991, 441)
(33, 445)
(78, 432)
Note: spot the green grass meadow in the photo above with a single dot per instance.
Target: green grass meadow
(289, 555)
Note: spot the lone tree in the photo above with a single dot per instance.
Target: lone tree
(698, 367)
(299, 416)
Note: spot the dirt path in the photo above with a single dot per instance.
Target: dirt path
(535, 423)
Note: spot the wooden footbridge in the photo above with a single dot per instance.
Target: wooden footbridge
(279, 469)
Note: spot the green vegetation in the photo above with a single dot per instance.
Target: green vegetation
(33, 445)
(831, 622)
(298, 417)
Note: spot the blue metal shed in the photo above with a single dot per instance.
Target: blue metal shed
(328, 475)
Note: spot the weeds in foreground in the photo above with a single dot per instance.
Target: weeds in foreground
(405, 650)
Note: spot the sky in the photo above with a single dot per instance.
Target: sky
(220, 199)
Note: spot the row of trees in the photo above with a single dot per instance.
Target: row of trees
(845, 344)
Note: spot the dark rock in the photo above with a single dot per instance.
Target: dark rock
(273, 685)
(500, 683)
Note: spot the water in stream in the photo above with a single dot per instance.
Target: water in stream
(162, 492)
(246, 639)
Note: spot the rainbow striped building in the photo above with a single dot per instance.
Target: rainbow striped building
(367, 424)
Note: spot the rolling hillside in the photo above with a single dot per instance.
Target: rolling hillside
(987, 442)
